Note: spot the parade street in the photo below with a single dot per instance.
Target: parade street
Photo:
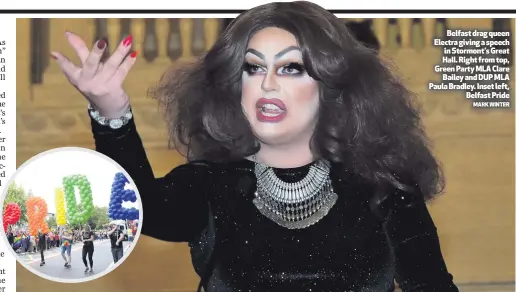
(54, 267)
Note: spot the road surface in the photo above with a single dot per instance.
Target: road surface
(54, 263)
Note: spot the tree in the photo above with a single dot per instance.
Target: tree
(52, 222)
(99, 217)
(77, 225)
(79, 208)
(16, 194)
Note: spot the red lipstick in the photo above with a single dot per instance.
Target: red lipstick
(270, 110)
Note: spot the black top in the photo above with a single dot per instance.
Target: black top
(114, 237)
(87, 235)
(42, 240)
(235, 248)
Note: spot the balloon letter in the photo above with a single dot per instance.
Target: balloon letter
(12, 213)
(69, 184)
(36, 213)
(60, 208)
(120, 195)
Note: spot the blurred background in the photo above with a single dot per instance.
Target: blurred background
(475, 217)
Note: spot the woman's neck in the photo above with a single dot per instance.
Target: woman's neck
(288, 156)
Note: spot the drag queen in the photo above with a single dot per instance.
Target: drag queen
(308, 165)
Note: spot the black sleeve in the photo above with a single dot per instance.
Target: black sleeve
(174, 206)
(419, 262)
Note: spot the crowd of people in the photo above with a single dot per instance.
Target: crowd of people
(22, 242)
(64, 238)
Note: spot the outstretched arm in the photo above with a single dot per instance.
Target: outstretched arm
(174, 206)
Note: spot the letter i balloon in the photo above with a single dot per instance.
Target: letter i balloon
(60, 208)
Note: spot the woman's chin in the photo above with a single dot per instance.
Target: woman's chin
(270, 137)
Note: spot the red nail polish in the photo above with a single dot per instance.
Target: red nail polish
(101, 44)
(128, 40)
(134, 54)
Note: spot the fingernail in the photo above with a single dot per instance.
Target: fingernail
(101, 44)
(53, 57)
(134, 54)
(128, 40)
(67, 33)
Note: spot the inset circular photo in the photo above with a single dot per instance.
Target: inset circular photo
(71, 215)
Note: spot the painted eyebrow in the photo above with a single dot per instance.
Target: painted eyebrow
(277, 56)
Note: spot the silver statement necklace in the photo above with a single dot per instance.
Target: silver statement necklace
(294, 205)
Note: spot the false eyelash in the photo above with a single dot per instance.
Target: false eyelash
(248, 67)
(295, 66)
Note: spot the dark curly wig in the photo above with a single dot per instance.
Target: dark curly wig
(367, 118)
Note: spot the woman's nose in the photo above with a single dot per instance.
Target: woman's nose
(270, 83)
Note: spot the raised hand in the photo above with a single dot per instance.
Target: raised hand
(100, 83)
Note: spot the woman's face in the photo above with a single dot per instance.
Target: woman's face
(279, 98)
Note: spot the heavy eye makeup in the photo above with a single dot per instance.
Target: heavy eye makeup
(288, 68)
(292, 68)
